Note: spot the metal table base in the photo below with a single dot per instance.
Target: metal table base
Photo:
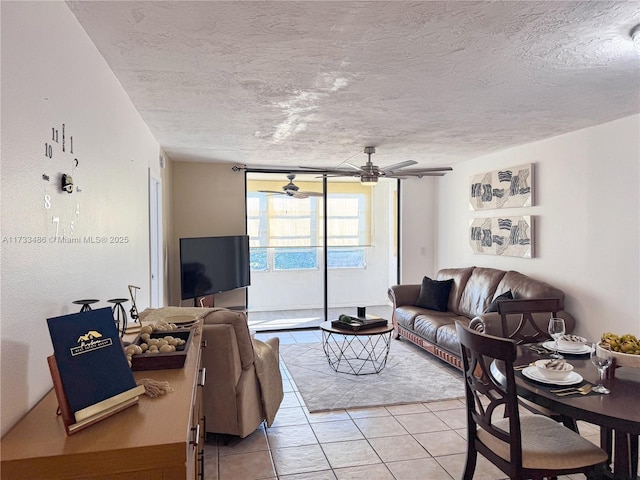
(357, 353)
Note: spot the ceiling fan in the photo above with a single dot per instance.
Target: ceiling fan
(369, 173)
(292, 190)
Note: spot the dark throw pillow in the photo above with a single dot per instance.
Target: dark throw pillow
(494, 305)
(434, 294)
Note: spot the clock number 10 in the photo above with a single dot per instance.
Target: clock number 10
(48, 147)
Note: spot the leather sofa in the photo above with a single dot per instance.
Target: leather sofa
(243, 384)
(473, 290)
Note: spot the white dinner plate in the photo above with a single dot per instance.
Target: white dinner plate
(532, 373)
(551, 345)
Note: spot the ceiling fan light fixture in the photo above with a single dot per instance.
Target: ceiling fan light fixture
(369, 180)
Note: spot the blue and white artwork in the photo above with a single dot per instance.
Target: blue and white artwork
(506, 236)
(505, 188)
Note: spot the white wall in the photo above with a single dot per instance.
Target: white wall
(587, 221)
(418, 228)
(53, 74)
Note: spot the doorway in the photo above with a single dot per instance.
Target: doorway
(297, 282)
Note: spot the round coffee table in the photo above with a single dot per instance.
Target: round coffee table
(360, 352)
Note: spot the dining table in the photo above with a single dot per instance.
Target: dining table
(617, 413)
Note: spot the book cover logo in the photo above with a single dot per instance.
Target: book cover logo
(89, 342)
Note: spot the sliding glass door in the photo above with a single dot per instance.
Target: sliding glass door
(295, 281)
(361, 252)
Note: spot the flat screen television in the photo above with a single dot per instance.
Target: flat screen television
(211, 265)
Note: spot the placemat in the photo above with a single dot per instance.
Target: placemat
(548, 387)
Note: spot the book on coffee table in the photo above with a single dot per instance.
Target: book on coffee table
(355, 324)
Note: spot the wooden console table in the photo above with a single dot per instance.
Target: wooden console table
(159, 438)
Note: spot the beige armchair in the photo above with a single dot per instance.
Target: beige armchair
(243, 382)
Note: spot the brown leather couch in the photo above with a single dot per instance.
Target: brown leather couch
(473, 290)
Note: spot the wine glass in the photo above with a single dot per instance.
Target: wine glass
(556, 330)
(602, 358)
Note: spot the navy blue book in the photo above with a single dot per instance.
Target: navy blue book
(92, 366)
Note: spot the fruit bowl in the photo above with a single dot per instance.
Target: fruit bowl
(626, 360)
(625, 343)
(554, 369)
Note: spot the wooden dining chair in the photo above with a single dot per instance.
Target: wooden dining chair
(527, 447)
(526, 330)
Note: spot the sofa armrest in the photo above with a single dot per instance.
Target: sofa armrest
(491, 324)
(488, 323)
(403, 294)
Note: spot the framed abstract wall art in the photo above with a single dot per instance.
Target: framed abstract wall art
(505, 188)
(505, 236)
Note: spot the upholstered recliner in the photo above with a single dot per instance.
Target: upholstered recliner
(243, 384)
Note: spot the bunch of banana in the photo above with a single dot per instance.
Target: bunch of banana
(626, 343)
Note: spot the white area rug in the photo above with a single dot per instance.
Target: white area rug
(409, 377)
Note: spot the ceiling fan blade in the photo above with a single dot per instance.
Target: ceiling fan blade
(334, 171)
(312, 194)
(404, 175)
(299, 195)
(353, 166)
(398, 177)
(397, 166)
(335, 175)
(319, 169)
(272, 191)
(416, 171)
(338, 173)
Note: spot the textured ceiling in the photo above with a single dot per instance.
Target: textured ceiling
(312, 83)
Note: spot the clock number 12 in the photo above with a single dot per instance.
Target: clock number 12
(48, 147)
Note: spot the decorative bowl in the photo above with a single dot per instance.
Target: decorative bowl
(571, 342)
(626, 360)
(554, 369)
(163, 361)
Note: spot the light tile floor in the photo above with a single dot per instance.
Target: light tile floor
(423, 441)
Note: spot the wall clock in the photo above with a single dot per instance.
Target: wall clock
(61, 196)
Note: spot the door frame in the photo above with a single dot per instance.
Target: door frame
(156, 266)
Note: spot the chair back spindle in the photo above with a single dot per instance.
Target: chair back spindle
(526, 330)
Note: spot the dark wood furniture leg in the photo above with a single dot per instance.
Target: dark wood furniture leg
(622, 449)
